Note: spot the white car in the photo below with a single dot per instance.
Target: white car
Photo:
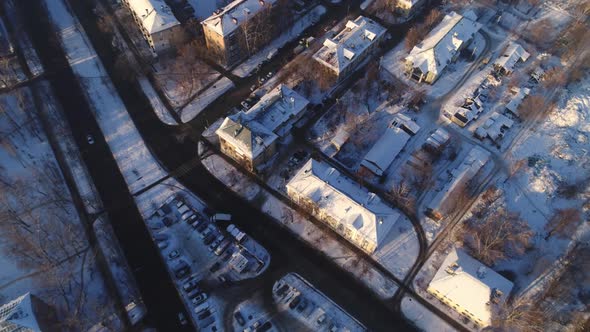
(90, 139)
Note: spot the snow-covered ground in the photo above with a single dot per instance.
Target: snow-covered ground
(423, 318)
(321, 238)
(157, 104)
(198, 104)
(294, 31)
(57, 265)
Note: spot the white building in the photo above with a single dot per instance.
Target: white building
(443, 202)
(384, 151)
(474, 290)
(156, 22)
(442, 46)
(250, 137)
(27, 313)
(494, 127)
(359, 216)
(350, 46)
(513, 54)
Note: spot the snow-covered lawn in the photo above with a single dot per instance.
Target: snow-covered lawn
(56, 264)
(199, 103)
(423, 318)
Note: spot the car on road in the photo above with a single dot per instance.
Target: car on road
(182, 319)
(173, 254)
(239, 318)
(202, 297)
(90, 139)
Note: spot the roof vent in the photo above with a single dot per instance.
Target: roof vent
(261, 2)
(481, 272)
(235, 20)
(452, 269)
(246, 11)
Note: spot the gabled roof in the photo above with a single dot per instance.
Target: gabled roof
(515, 102)
(344, 200)
(511, 56)
(468, 283)
(248, 137)
(18, 315)
(338, 52)
(155, 15)
(437, 50)
(229, 18)
(384, 151)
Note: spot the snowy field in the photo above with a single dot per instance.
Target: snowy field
(58, 266)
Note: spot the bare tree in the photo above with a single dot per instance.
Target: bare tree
(532, 106)
(496, 236)
(539, 31)
(563, 222)
(520, 315)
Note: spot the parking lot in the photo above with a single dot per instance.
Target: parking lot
(202, 256)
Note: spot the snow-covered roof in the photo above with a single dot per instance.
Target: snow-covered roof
(340, 138)
(511, 56)
(406, 123)
(344, 200)
(385, 150)
(438, 138)
(470, 285)
(514, 104)
(229, 18)
(251, 132)
(155, 15)
(474, 161)
(494, 126)
(249, 138)
(437, 50)
(18, 315)
(277, 107)
(339, 52)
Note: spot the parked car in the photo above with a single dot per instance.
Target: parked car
(191, 219)
(192, 294)
(185, 216)
(173, 254)
(190, 285)
(202, 297)
(206, 321)
(183, 209)
(170, 199)
(182, 273)
(295, 302)
(239, 318)
(161, 237)
(209, 238)
(202, 226)
(265, 327)
(163, 244)
(222, 246)
(202, 309)
(215, 267)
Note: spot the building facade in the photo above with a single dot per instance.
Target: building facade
(158, 25)
(240, 29)
(28, 313)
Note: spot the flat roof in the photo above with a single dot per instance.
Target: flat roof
(277, 107)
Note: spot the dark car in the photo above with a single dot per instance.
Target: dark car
(204, 314)
(206, 321)
(265, 327)
(201, 227)
(239, 318)
(161, 237)
(302, 305)
(182, 272)
(190, 285)
(295, 302)
(215, 267)
(209, 238)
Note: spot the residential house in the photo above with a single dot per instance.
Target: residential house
(342, 53)
(250, 137)
(158, 25)
(384, 151)
(442, 46)
(356, 214)
(446, 199)
(514, 53)
(408, 7)
(518, 95)
(469, 287)
(240, 29)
